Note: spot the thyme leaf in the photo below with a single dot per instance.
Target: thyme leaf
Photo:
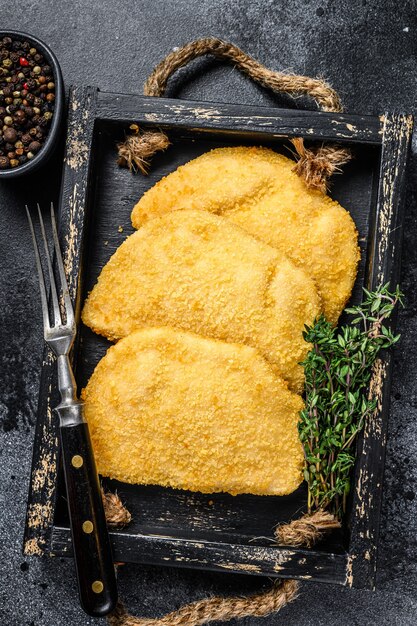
(337, 371)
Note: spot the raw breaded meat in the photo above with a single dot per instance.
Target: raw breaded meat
(257, 189)
(200, 272)
(175, 409)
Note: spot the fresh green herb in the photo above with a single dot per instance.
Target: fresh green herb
(337, 373)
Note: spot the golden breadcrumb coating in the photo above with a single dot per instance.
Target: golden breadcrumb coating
(171, 408)
(199, 272)
(257, 189)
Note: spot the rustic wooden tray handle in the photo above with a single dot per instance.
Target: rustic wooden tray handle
(314, 165)
(306, 531)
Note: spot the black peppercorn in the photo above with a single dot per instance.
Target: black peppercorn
(20, 117)
(4, 162)
(10, 135)
(34, 146)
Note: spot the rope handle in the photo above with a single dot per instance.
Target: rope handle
(306, 531)
(314, 165)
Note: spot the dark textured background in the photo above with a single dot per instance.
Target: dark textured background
(367, 50)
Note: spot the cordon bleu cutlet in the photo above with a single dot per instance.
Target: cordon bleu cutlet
(175, 409)
(257, 189)
(200, 272)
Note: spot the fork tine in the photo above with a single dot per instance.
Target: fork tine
(64, 284)
(45, 313)
(54, 293)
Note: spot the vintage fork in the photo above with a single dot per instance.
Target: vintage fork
(92, 550)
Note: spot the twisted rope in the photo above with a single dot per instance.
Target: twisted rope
(314, 165)
(305, 531)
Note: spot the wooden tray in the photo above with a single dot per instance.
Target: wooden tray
(216, 532)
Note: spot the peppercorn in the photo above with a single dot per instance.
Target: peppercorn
(4, 162)
(35, 146)
(27, 95)
(20, 117)
(10, 135)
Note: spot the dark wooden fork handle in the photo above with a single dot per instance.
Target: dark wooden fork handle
(92, 550)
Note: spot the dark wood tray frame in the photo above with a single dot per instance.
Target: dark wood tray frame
(350, 558)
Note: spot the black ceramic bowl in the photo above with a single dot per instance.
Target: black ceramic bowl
(53, 135)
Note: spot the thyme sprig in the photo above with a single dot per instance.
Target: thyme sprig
(337, 373)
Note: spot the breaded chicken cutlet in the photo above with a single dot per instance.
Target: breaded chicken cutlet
(200, 272)
(175, 409)
(257, 189)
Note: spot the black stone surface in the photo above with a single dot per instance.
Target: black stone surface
(367, 50)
